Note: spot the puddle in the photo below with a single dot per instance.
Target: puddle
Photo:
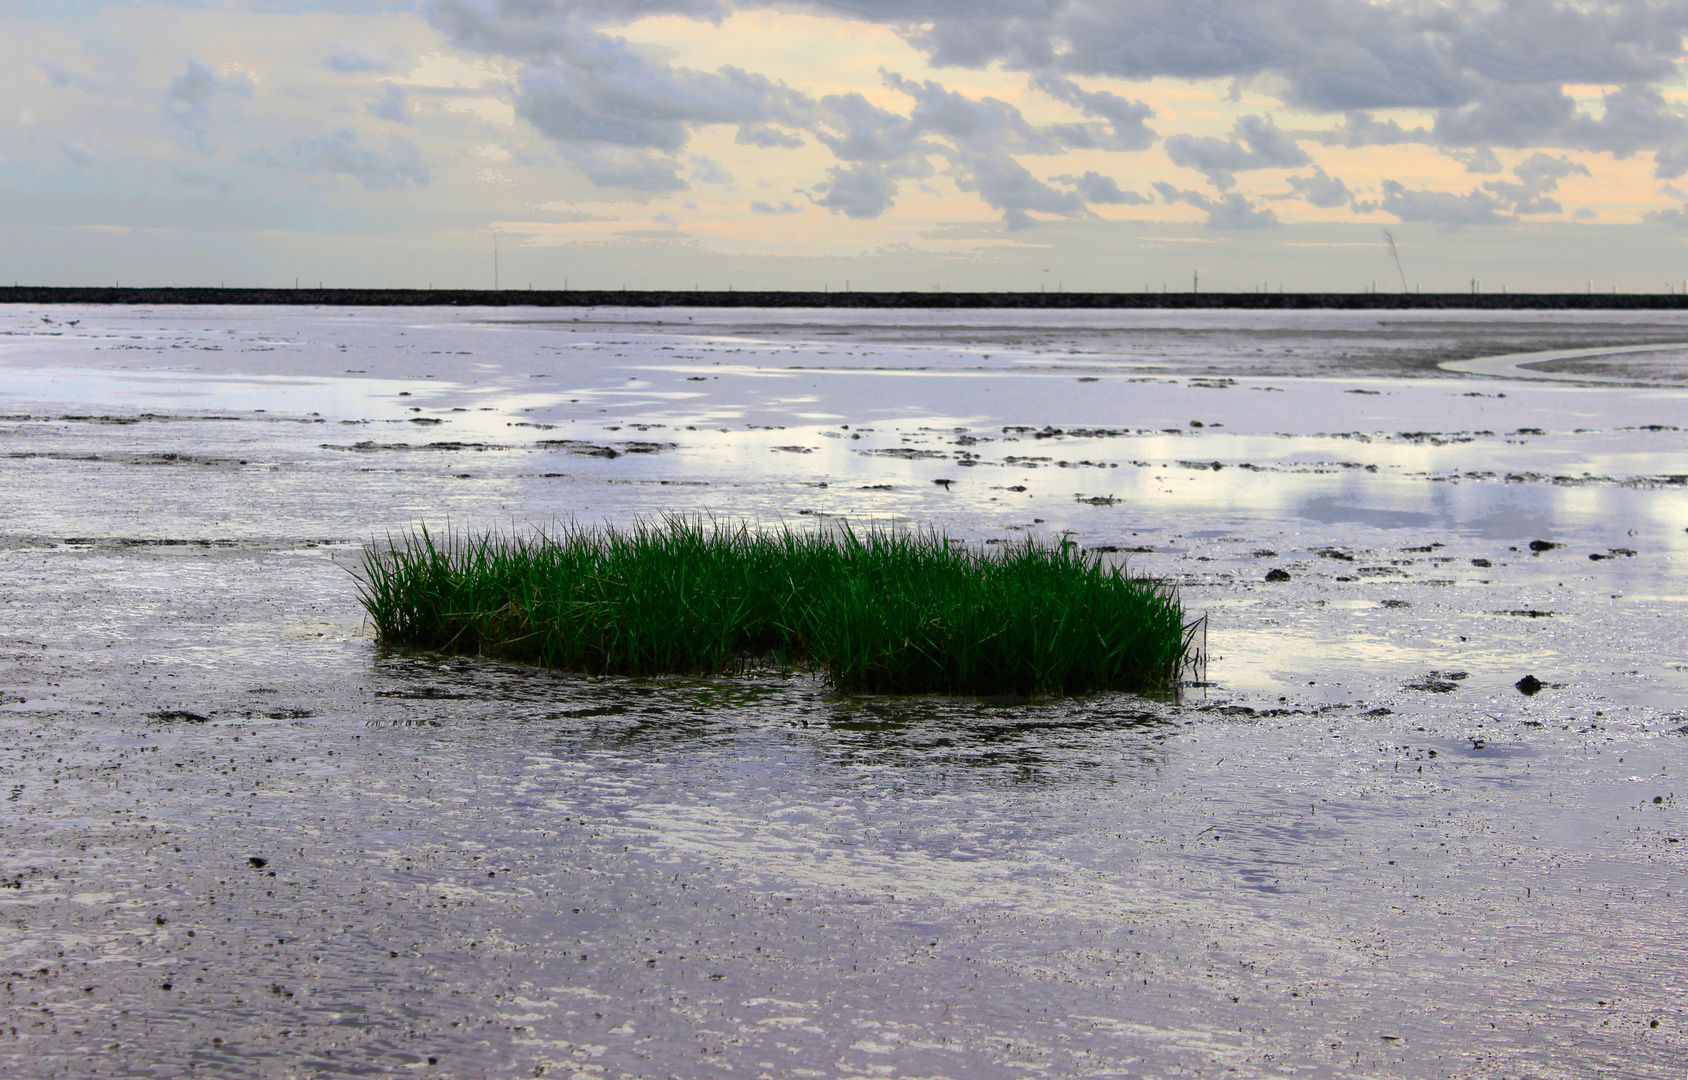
(1355, 848)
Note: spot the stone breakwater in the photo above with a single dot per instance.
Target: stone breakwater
(29, 294)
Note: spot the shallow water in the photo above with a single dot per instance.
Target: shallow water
(1358, 850)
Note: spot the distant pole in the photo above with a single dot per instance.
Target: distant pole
(1396, 255)
(1473, 286)
(495, 260)
(1195, 281)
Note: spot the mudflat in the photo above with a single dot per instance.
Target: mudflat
(240, 840)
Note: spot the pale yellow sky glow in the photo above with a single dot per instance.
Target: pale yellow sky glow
(805, 144)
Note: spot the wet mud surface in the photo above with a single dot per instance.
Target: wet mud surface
(240, 840)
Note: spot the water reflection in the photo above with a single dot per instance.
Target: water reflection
(789, 718)
(1505, 520)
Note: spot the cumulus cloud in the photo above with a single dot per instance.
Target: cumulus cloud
(1442, 208)
(1229, 211)
(1099, 190)
(1480, 160)
(1008, 186)
(1632, 119)
(1536, 175)
(1321, 189)
(1329, 54)
(615, 112)
(1255, 143)
(1127, 121)
(860, 191)
(1496, 202)
(1495, 73)
(1491, 76)
(758, 206)
(1670, 216)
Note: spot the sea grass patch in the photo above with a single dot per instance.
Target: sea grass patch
(877, 610)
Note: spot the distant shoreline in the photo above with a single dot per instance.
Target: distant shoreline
(659, 298)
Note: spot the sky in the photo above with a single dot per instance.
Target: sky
(1118, 145)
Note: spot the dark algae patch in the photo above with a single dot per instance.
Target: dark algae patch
(878, 610)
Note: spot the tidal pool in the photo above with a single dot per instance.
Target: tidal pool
(242, 841)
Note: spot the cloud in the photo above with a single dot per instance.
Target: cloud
(1442, 208)
(708, 171)
(630, 101)
(1321, 189)
(1328, 54)
(977, 138)
(863, 191)
(766, 137)
(391, 105)
(1537, 175)
(1670, 216)
(1480, 160)
(1362, 129)
(1008, 186)
(1491, 76)
(194, 93)
(1496, 202)
(350, 59)
(759, 207)
(1230, 211)
(624, 167)
(342, 154)
(59, 75)
(898, 9)
(1096, 189)
(1255, 143)
(616, 113)
(1127, 121)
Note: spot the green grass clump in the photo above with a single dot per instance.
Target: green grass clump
(880, 610)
